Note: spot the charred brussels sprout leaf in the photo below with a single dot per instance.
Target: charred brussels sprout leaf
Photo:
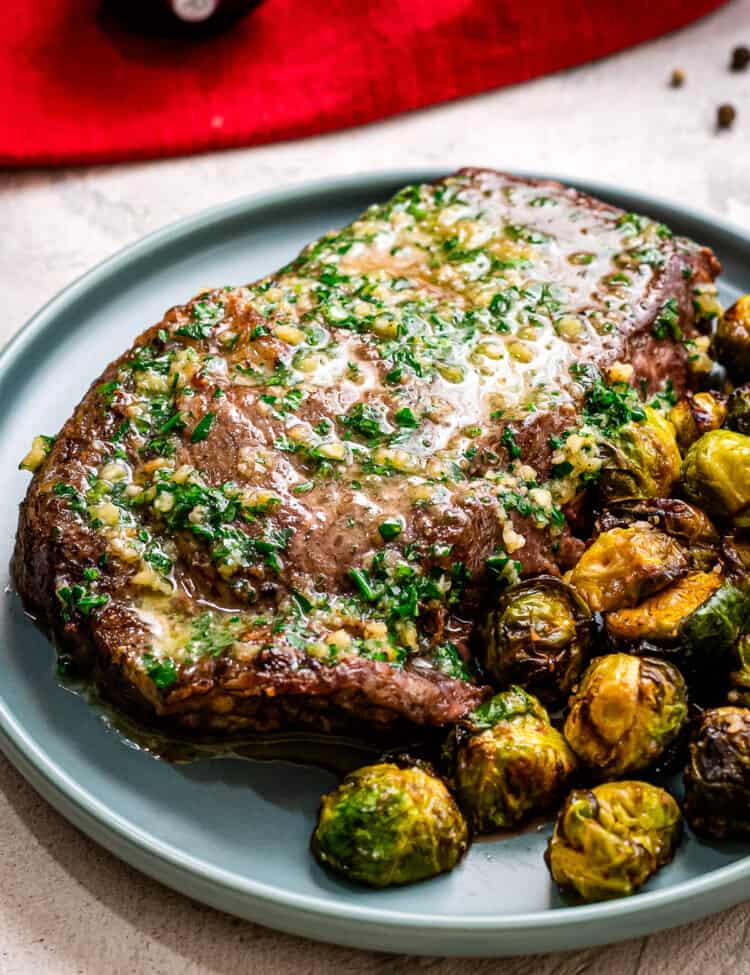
(609, 841)
(538, 635)
(732, 339)
(717, 777)
(518, 766)
(625, 713)
(738, 410)
(695, 415)
(716, 474)
(645, 460)
(386, 825)
(625, 564)
(682, 521)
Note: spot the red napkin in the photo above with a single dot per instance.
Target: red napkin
(71, 92)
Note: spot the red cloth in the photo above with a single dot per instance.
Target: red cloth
(72, 93)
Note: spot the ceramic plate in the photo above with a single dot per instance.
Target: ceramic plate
(234, 833)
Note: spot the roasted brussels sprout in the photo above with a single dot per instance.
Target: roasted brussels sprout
(608, 841)
(518, 765)
(684, 522)
(386, 825)
(716, 474)
(645, 462)
(717, 776)
(738, 410)
(625, 564)
(695, 415)
(625, 713)
(698, 619)
(538, 635)
(732, 339)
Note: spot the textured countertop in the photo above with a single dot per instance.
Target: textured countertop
(66, 906)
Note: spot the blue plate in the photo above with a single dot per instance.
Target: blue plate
(234, 833)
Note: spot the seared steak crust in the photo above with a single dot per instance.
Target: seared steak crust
(277, 509)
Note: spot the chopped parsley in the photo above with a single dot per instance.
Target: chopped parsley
(202, 427)
(205, 316)
(365, 421)
(508, 440)
(447, 659)
(210, 637)
(162, 672)
(75, 499)
(389, 529)
(79, 599)
(667, 322)
(406, 418)
(607, 407)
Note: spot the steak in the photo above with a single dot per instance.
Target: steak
(287, 503)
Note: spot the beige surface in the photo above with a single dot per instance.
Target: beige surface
(67, 907)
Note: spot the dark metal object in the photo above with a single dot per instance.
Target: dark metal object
(180, 18)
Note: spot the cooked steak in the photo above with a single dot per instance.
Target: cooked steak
(285, 505)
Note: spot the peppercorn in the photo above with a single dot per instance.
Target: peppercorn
(725, 116)
(740, 58)
(677, 80)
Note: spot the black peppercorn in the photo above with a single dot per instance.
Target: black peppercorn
(740, 58)
(677, 79)
(725, 116)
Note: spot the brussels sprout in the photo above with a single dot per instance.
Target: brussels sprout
(645, 462)
(608, 841)
(695, 415)
(717, 776)
(684, 522)
(387, 825)
(738, 410)
(517, 766)
(623, 565)
(625, 713)
(538, 636)
(716, 473)
(664, 622)
(732, 339)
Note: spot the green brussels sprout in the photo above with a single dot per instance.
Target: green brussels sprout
(697, 620)
(695, 415)
(682, 521)
(511, 764)
(626, 711)
(738, 410)
(716, 474)
(732, 339)
(538, 635)
(645, 461)
(717, 776)
(386, 825)
(624, 565)
(608, 841)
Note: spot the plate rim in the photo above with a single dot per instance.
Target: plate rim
(144, 851)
